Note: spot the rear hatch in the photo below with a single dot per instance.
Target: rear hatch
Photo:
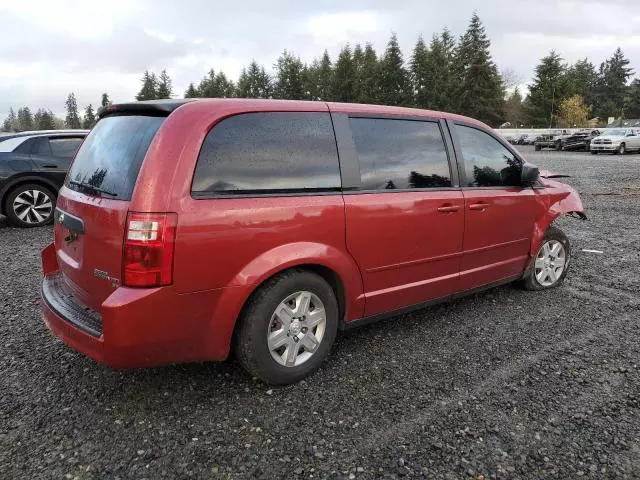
(92, 208)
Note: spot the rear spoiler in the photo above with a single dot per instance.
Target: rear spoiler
(148, 107)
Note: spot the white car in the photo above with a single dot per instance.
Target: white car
(617, 140)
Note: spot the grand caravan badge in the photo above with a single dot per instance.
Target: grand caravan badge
(102, 275)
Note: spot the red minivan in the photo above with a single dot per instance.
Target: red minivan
(190, 228)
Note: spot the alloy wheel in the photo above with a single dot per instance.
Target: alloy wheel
(296, 329)
(33, 206)
(550, 263)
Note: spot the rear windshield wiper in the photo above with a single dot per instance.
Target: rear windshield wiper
(93, 188)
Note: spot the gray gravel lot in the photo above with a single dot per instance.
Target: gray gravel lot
(503, 384)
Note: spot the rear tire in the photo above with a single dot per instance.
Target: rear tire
(30, 205)
(277, 339)
(549, 267)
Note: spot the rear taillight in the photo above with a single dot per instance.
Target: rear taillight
(147, 259)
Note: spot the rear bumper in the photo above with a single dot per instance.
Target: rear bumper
(135, 327)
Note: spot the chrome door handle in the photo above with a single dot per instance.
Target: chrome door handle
(479, 206)
(448, 208)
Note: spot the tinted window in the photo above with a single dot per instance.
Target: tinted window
(64, 147)
(42, 147)
(271, 151)
(487, 163)
(400, 154)
(111, 156)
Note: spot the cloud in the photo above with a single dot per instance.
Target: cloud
(49, 49)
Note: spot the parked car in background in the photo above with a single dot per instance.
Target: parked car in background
(617, 140)
(530, 139)
(33, 166)
(188, 229)
(580, 140)
(552, 139)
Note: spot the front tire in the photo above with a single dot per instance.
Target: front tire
(551, 263)
(622, 149)
(287, 328)
(30, 205)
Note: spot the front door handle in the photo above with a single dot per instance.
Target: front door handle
(481, 206)
(448, 208)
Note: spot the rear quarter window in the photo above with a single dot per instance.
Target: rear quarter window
(268, 152)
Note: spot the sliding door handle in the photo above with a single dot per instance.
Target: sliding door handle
(448, 208)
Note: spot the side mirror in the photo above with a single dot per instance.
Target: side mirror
(530, 174)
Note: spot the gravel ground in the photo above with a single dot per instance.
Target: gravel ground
(504, 384)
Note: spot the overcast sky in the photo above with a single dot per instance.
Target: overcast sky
(49, 48)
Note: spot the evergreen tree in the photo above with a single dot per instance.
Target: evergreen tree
(320, 78)
(25, 120)
(290, 77)
(44, 120)
(395, 88)
(165, 88)
(441, 63)
(612, 85)
(192, 91)
(72, 119)
(358, 64)
(89, 118)
(480, 94)
(421, 75)
(547, 90)
(344, 76)
(582, 79)
(149, 88)
(632, 105)
(11, 122)
(369, 90)
(254, 82)
(216, 85)
(514, 109)
(106, 101)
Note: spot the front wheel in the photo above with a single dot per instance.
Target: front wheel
(287, 328)
(550, 265)
(558, 146)
(622, 149)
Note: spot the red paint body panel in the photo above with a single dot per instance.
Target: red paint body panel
(388, 250)
(497, 234)
(408, 251)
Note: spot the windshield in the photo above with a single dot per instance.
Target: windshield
(619, 132)
(110, 158)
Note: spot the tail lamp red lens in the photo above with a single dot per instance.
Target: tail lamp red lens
(147, 259)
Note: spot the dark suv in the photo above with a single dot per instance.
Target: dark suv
(33, 166)
(186, 228)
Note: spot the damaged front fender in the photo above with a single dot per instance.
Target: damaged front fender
(553, 200)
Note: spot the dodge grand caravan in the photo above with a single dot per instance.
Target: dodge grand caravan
(190, 229)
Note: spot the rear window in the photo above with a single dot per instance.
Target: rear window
(111, 156)
(268, 152)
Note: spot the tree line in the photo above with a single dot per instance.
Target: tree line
(44, 119)
(447, 74)
(568, 95)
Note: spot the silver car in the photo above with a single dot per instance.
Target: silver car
(617, 140)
